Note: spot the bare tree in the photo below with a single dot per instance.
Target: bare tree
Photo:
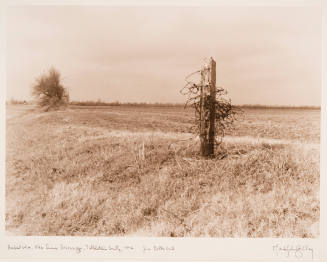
(49, 92)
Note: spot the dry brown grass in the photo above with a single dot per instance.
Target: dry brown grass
(133, 171)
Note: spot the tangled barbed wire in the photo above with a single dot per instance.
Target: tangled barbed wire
(225, 112)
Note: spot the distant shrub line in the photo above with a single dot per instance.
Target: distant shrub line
(117, 103)
(276, 107)
(143, 104)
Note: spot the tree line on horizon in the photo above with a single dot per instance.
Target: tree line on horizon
(158, 104)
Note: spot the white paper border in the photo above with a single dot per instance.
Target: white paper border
(194, 249)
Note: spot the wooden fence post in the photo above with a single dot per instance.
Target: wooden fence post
(203, 139)
(212, 107)
(207, 109)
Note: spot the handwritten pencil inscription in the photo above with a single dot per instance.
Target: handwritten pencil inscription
(117, 249)
(293, 251)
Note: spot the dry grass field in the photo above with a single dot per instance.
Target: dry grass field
(136, 171)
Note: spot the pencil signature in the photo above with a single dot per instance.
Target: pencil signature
(296, 251)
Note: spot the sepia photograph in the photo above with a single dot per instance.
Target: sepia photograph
(163, 121)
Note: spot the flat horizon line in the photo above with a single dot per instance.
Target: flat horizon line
(118, 103)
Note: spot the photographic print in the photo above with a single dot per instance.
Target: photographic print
(163, 121)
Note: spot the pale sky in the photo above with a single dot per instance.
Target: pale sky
(264, 55)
